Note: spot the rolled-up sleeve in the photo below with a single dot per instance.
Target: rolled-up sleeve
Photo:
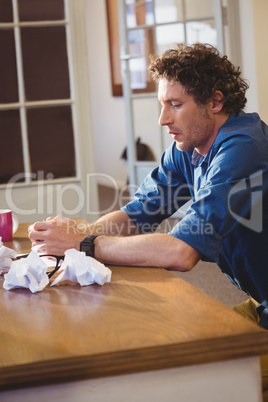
(200, 234)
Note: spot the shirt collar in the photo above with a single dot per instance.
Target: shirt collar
(197, 158)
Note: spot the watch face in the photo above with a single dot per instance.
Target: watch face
(87, 248)
(87, 245)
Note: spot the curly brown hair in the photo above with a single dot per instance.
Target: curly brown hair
(202, 70)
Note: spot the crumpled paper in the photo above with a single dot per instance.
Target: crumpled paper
(77, 267)
(6, 255)
(29, 272)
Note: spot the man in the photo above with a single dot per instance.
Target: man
(219, 156)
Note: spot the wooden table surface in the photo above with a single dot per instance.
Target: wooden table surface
(145, 319)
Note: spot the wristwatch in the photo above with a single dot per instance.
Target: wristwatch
(87, 245)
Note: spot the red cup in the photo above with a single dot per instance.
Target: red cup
(8, 224)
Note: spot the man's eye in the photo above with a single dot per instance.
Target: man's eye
(175, 105)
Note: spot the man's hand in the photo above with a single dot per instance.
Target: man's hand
(58, 234)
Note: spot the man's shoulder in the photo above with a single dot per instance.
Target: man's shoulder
(240, 149)
(244, 128)
(242, 122)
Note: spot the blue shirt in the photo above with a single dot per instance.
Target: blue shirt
(228, 219)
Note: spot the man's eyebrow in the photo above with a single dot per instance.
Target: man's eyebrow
(171, 100)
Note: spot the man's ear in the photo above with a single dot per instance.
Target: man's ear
(217, 101)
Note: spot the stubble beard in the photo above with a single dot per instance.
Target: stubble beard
(202, 131)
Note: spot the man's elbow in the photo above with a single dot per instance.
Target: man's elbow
(183, 260)
(183, 266)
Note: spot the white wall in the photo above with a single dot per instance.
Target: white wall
(260, 12)
(248, 53)
(108, 111)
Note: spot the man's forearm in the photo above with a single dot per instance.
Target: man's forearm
(149, 250)
(116, 223)
(115, 243)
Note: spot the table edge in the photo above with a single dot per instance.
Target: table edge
(133, 361)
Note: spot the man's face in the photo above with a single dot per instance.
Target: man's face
(191, 125)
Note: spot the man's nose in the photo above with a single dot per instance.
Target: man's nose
(165, 117)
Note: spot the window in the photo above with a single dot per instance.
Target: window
(153, 26)
(36, 105)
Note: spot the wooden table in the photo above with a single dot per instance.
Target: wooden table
(145, 333)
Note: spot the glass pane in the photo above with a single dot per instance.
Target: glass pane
(141, 46)
(196, 9)
(168, 35)
(8, 67)
(6, 11)
(11, 156)
(51, 143)
(204, 32)
(45, 63)
(168, 11)
(139, 13)
(41, 10)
